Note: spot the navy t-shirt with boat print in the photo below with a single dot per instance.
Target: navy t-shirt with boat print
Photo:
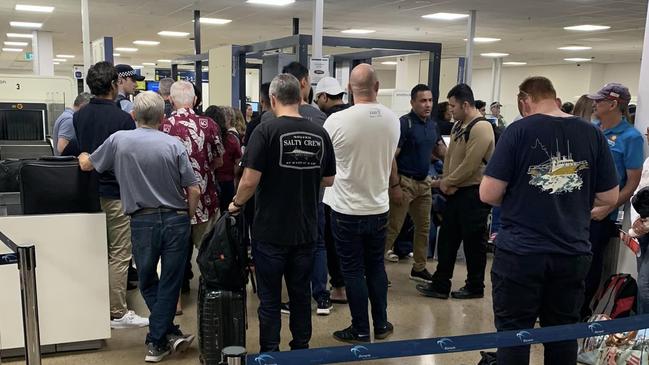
(554, 166)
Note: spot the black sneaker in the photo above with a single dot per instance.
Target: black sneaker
(324, 307)
(156, 353)
(285, 308)
(350, 335)
(383, 333)
(428, 291)
(422, 276)
(464, 293)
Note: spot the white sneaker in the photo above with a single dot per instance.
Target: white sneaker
(411, 255)
(129, 320)
(390, 256)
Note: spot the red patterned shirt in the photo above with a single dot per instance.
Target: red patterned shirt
(201, 137)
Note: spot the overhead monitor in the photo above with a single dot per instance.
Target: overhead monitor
(255, 106)
(152, 86)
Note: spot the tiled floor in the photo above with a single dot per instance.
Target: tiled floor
(413, 316)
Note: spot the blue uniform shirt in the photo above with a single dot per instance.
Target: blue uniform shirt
(417, 142)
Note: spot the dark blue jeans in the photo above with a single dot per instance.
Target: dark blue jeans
(160, 237)
(360, 243)
(272, 262)
(550, 287)
(319, 274)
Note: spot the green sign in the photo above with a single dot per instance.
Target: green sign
(29, 56)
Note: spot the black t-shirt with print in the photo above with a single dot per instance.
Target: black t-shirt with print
(554, 167)
(293, 154)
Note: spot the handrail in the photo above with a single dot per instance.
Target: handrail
(25, 257)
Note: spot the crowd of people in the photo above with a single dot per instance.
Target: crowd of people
(326, 187)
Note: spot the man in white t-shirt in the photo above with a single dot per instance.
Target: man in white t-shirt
(365, 139)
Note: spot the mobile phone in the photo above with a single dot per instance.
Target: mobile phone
(630, 242)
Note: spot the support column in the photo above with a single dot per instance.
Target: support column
(43, 53)
(85, 34)
(198, 65)
(470, 35)
(496, 79)
(642, 112)
(318, 23)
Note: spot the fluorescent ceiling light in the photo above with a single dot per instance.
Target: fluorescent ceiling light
(35, 8)
(21, 44)
(389, 63)
(25, 24)
(514, 63)
(587, 27)
(169, 33)
(485, 40)
(357, 31)
(64, 56)
(148, 63)
(56, 63)
(137, 67)
(494, 54)
(59, 59)
(577, 59)
(126, 49)
(271, 2)
(445, 16)
(116, 54)
(216, 21)
(12, 50)
(164, 61)
(575, 48)
(19, 35)
(146, 43)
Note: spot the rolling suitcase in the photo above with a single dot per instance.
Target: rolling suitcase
(221, 322)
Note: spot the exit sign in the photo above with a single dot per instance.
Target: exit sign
(29, 56)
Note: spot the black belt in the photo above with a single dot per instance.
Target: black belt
(158, 210)
(414, 177)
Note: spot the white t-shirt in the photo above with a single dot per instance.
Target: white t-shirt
(365, 139)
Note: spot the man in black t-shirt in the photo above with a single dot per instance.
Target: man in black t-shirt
(548, 171)
(286, 162)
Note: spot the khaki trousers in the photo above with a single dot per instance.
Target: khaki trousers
(199, 230)
(417, 200)
(118, 227)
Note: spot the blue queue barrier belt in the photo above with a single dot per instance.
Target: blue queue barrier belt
(446, 345)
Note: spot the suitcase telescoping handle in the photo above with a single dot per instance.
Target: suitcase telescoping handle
(234, 355)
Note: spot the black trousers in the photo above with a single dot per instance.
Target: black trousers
(600, 235)
(544, 286)
(333, 262)
(464, 220)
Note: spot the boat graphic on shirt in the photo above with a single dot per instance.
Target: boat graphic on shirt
(559, 174)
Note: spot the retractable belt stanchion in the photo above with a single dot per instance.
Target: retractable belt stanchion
(234, 355)
(25, 257)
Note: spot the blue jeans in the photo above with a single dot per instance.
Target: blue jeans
(320, 274)
(643, 276)
(272, 262)
(360, 243)
(160, 237)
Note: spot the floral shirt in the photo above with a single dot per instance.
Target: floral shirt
(201, 137)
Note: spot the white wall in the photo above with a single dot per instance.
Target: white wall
(387, 78)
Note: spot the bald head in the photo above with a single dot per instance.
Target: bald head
(364, 83)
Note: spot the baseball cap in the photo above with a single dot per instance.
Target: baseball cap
(128, 71)
(495, 104)
(328, 85)
(612, 91)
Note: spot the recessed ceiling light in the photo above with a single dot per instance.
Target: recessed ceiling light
(116, 54)
(137, 67)
(21, 44)
(169, 33)
(25, 24)
(164, 61)
(445, 16)
(485, 40)
(35, 8)
(148, 63)
(494, 54)
(59, 59)
(216, 21)
(12, 50)
(357, 31)
(56, 63)
(389, 63)
(126, 49)
(64, 56)
(514, 63)
(577, 59)
(587, 27)
(271, 2)
(19, 35)
(146, 43)
(575, 48)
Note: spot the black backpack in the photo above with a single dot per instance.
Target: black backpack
(617, 297)
(222, 257)
(467, 130)
(640, 202)
(119, 100)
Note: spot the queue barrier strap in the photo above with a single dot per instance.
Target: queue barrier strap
(446, 345)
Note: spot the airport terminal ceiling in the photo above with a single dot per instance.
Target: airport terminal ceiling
(530, 30)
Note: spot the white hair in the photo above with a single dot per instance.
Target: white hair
(149, 108)
(182, 93)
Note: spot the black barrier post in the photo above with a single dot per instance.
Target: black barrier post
(234, 355)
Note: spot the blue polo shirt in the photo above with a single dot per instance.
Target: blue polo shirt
(417, 142)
